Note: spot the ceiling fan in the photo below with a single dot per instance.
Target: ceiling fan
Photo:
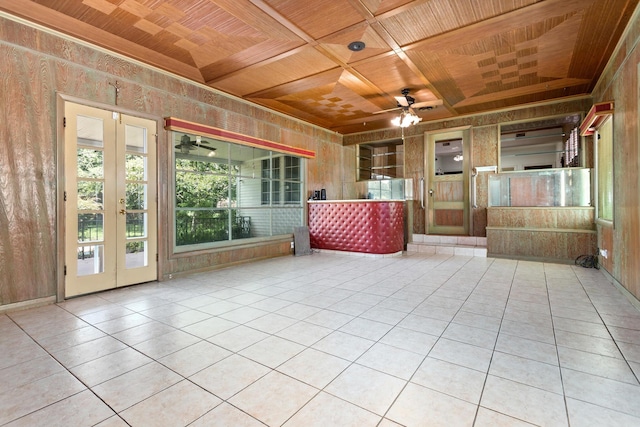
(187, 144)
(409, 104)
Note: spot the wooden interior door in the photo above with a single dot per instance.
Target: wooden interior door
(447, 189)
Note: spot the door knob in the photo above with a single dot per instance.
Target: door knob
(431, 193)
(122, 212)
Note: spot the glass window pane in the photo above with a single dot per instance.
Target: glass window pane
(90, 260)
(90, 163)
(90, 195)
(90, 227)
(605, 170)
(135, 167)
(90, 131)
(136, 199)
(136, 226)
(194, 227)
(136, 254)
(135, 139)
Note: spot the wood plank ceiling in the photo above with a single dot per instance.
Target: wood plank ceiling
(293, 56)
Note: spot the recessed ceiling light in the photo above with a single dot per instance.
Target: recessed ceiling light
(356, 46)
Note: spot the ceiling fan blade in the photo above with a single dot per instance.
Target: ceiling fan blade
(433, 103)
(402, 100)
(387, 111)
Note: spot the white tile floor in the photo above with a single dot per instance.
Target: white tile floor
(331, 340)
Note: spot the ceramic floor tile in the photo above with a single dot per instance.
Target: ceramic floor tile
(24, 373)
(314, 367)
(477, 320)
(122, 323)
(88, 351)
(329, 319)
(304, 333)
(270, 304)
(194, 358)
(114, 421)
(210, 327)
(526, 330)
(229, 376)
(82, 409)
(391, 360)
(272, 351)
(488, 418)
(271, 323)
(424, 324)
(443, 410)
(526, 371)
(298, 311)
(470, 335)
(524, 402)
(448, 378)
(181, 404)
(144, 332)
(110, 313)
(243, 314)
(343, 345)
(529, 349)
(36, 395)
(70, 339)
(237, 338)
(614, 395)
(367, 388)
(463, 354)
(327, 410)
(595, 364)
(134, 386)
(166, 344)
(410, 340)
(597, 345)
(587, 415)
(226, 415)
(365, 328)
(274, 398)
(110, 366)
(185, 318)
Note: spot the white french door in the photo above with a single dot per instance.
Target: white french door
(110, 193)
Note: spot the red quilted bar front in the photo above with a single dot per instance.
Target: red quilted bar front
(369, 226)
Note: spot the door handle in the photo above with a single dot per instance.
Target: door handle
(422, 193)
(431, 192)
(122, 212)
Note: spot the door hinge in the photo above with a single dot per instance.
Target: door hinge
(65, 196)
(157, 258)
(64, 122)
(65, 270)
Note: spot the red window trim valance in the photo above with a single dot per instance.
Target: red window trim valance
(595, 117)
(174, 124)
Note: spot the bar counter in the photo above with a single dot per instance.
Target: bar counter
(367, 226)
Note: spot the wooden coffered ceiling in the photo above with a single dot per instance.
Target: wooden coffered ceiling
(292, 55)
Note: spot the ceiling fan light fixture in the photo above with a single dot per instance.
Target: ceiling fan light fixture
(406, 119)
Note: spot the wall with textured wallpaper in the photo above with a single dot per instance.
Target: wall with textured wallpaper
(619, 83)
(35, 66)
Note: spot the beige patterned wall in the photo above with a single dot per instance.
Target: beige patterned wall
(35, 67)
(619, 83)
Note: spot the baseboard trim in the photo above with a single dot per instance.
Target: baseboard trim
(23, 305)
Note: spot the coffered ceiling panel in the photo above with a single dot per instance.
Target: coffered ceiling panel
(462, 56)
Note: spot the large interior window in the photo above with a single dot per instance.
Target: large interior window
(226, 192)
(604, 168)
(546, 143)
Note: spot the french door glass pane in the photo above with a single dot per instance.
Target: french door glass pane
(90, 227)
(90, 195)
(136, 225)
(90, 260)
(90, 163)
(135, 256)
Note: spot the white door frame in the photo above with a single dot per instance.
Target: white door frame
(61, 100)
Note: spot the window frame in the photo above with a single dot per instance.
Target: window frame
(607, 125)
(272, 218)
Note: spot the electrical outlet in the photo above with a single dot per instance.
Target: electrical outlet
(292, 245)
(604, 253)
